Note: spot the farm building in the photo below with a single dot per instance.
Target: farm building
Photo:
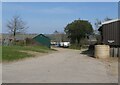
(110, 35)
(110, 32)
(42, 39)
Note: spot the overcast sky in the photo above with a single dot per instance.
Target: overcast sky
(46, 17)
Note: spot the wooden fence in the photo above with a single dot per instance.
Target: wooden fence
(115, 52)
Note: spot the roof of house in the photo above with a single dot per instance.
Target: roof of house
(42, 35)
(108, 22)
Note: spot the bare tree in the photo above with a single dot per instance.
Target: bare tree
(16, 25)
(107, 19)
(97, 23)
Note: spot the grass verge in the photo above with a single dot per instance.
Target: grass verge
(11, 53)
(0, 53)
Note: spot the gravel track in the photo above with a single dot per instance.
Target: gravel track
(62, 66)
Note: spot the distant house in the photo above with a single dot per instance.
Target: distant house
(110, 32)
(42, 39)
(59, 39)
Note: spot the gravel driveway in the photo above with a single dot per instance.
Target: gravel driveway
(62, 66)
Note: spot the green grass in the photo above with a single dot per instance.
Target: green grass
(31, 48)
(11, 53)
(0, 53)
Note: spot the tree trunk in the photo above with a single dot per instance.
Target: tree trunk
(73, 40)
(78, 40)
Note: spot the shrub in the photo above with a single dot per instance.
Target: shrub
(20, 43)
(75, 46)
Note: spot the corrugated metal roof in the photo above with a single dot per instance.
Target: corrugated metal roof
(110, 21)
(107, 22)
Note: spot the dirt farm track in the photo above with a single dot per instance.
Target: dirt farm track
(62, 66)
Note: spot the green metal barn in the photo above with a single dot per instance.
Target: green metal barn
(43, 40)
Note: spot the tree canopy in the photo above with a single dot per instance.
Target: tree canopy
(78, 30)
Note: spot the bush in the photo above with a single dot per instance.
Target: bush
(75, 46)
(85, 46)
(20, 43)
(31, 42)
(91, 47)
(28, 41)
